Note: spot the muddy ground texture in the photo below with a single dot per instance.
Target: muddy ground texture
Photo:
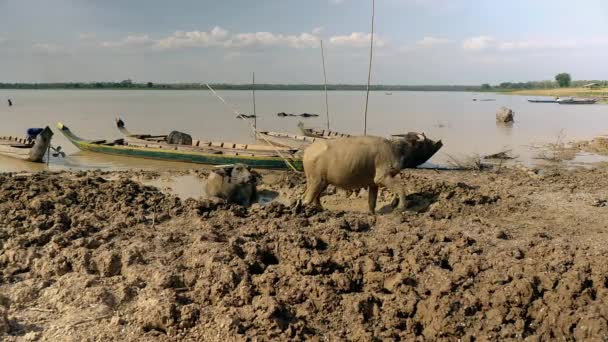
(477, 256)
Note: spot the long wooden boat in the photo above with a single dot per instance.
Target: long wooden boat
(24, 149)
(285, 140)
(542, 101)
(146, 139)
(576, 101)
(209, 155)
(320, 132)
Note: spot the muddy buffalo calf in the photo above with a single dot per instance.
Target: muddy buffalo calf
(233, 184)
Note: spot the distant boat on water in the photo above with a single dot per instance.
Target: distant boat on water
(576, 101)
(388, 93)
(543, 101)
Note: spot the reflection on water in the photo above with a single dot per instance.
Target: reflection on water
(466, 127)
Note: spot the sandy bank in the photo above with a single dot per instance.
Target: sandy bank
(485, 255)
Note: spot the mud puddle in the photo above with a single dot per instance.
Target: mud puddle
(193, 186)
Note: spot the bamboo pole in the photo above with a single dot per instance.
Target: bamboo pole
(252, 128)
(255, 117)
(369, 72)
(325, 85)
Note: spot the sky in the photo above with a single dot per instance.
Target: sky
(416, 41)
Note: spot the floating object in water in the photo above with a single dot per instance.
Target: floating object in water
(505, 115)
(32, 150)
(283, 114)
(10, 103)
(246, 116)
(503, 155)
(308, 115)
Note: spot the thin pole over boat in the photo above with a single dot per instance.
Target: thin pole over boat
(325, 85)
(255, 117)
(369, 72)
(254, 130)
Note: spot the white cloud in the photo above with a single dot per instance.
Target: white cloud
(304, 40)
(551, 44)
(219, 37)
(180, 39)
(357, 39)
(478, 43)
(87, 36)
(482, 43)
(129, 41)
(432, 41)
(48, 48)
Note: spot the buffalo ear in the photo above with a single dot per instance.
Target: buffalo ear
(221, 172)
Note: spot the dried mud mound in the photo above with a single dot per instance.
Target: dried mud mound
(83, 257)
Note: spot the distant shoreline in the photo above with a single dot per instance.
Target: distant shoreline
(258, 87)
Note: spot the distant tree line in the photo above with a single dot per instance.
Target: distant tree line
(128, 84)
(562, 80)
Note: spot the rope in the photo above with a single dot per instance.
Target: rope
(254, 130)
(369, 72)
(325, 78)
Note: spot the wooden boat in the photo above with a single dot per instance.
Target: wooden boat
(320, 132)
(143, 139)
(576, 101)
(543, 101)
(199, 153)
(25, 149)
(285, 140)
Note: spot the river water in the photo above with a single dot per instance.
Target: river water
(466, 127)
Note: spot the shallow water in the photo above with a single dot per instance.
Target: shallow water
(466, 127)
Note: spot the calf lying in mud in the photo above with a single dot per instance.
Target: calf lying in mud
(233, 184)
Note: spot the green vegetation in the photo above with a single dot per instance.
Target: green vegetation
(548, 85)
(563, 79)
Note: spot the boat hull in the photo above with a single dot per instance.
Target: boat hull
(542, 101)
(18, 149)
(176, 155)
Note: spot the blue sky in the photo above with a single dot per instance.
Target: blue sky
(418, 41)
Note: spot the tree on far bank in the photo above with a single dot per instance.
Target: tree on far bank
(486, 86)
(563, 79)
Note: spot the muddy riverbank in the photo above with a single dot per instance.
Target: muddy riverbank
(477, 256)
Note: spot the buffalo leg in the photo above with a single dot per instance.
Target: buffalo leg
(392, 183)
(314, 188)
(373, 196)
